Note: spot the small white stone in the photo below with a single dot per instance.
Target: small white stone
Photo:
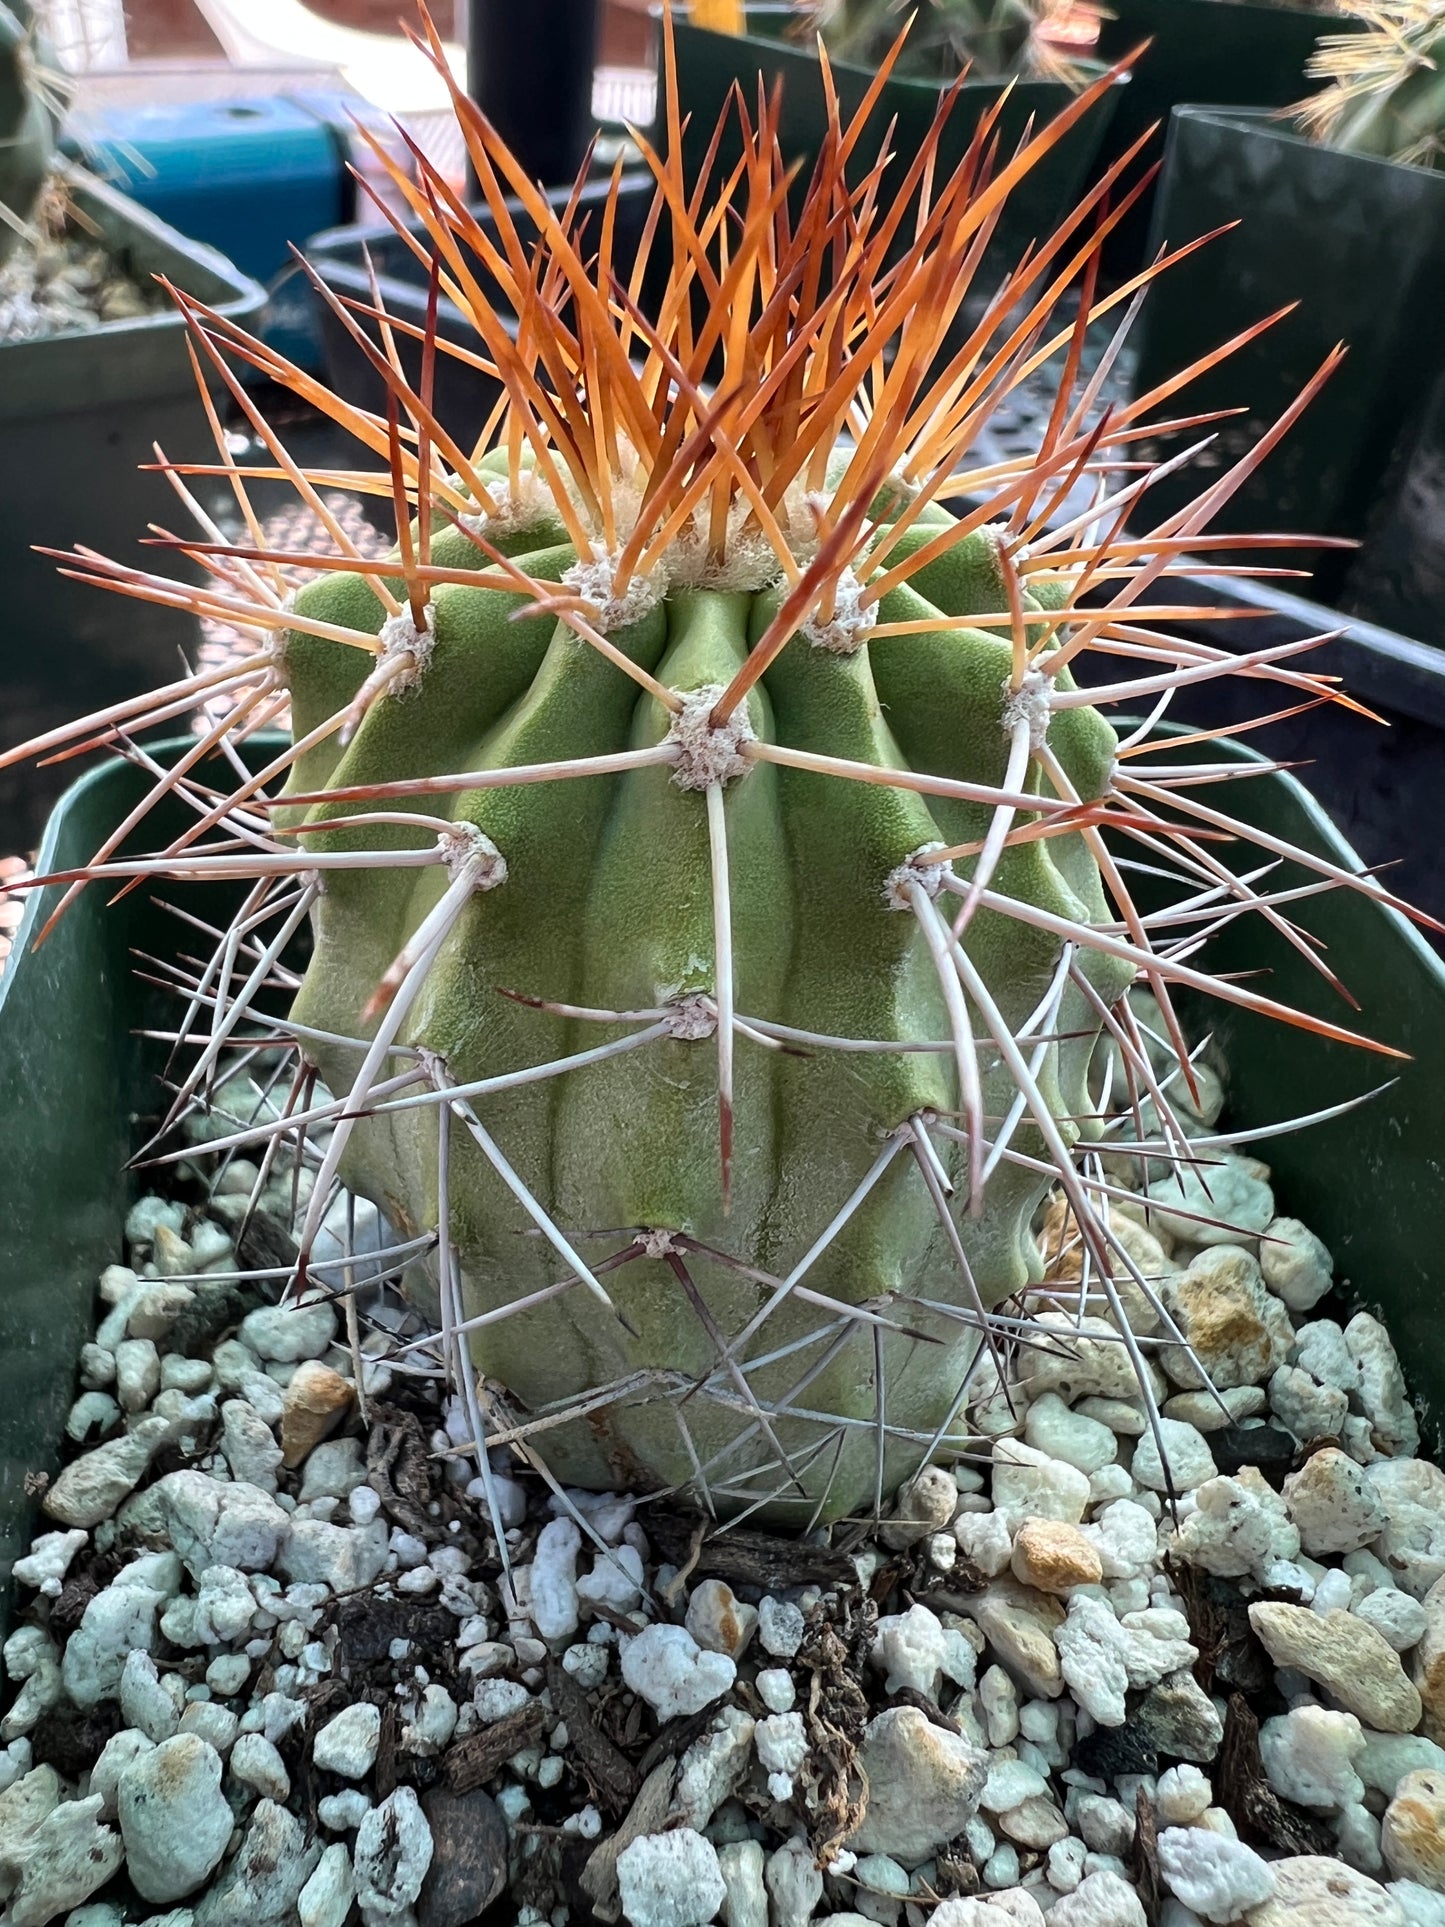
(285, 1334)
(66, 1858)
(1380, 1386)
(554, 1580)
(1305, 1407)
(1051, 1427)
(1412, 1544)
(780, 1626)
(665, 1666)
(1311, 1756)
(1028, 1484)
(776, 1689)
(712, 1766)
(1394, 1615)
(174, 1818)
(1126, 1539)
(616, 1580)
(718, 1620)
(745, 1899)
(1357, 1836)
(781, 1742)
(1186, 1453)
(340, 1812)
(670, 1880)
(92, 1486)
(588, 1664)
(1107, 1825)
(999, 1700)
(1423, 1906)
(326, 1899)
(1009, 1784)
(1219, 1203)
(909, 1648)
(1239, 1525)
(392, 1855)
(256, 1764)
(985, 1539)
(925, 1504)
(111, 1762)
(793, 1883)
(1218, 1879)
(1333, 1503)
(1100, 1900)
(1184, 1794)
(48, 1560)
(348, 1743)
(1297, 1266)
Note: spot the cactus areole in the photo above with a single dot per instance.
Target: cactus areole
(719, 884)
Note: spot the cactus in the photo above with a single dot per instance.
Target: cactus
(718, 884)
(1385, 95)
(993, 39)
(27, 123)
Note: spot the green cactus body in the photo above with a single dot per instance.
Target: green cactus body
(1386, 96)
(27, 125)
(994, 39)
(607, 905)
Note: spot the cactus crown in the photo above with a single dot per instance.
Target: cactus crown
(991, 39)
(718, 883)
(1386, 86)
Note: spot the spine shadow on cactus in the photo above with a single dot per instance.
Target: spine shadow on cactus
(719, 884)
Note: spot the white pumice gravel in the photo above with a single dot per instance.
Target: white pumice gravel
(259, 1620)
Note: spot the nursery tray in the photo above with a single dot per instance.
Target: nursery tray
(79, 414)
(78, 1080)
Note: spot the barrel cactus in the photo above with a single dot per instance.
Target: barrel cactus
(27, 122)
(1385, 91)
(992, 39)
(718, 885)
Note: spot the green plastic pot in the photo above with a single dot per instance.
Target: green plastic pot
(78, 1080)
(1359, 244)
(1227, 52)
(710, 65)
(79, 414)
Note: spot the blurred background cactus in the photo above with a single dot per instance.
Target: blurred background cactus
(993, 39)
(28, 120)
(1385, 86)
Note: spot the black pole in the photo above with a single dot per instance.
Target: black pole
(529, 69)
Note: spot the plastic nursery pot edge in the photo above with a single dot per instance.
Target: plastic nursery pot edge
(1228, 52)
(79, 415)
(1357, 246)
(1368, 1182)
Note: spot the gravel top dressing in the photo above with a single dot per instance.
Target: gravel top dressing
(276, 1667)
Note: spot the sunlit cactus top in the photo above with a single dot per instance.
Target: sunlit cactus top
(718, 884)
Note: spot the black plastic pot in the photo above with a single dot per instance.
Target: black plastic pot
(1380, 776)
(1226, 51)
(710, 65)
(79, 414)
(1359, 244)
(1369, 1183)
(346, 257)
(1399, 574)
